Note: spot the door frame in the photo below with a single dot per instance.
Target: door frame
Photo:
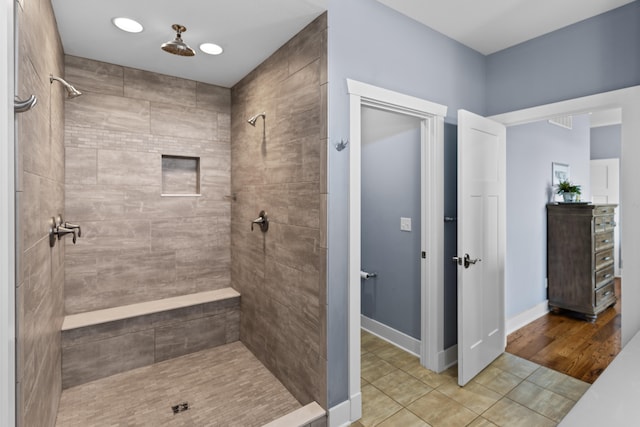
(432, 176)
(7, 219)
(628, 100)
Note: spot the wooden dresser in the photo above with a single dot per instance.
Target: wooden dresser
(580, 257)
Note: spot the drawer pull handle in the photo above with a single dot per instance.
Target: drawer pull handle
(607, 258)
(606, 294)
(606, 241)
(606, 276)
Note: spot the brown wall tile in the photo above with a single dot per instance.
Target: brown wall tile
(86, 362)
(40, 195)
(138, 245)
(94, 76)
(154, 87)
(277, 167)
(190, 336)
(108, 112)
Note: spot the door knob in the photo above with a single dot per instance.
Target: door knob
(466, 261)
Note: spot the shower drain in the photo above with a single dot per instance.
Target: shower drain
(180, 407)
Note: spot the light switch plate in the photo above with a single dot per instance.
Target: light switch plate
(405, 224)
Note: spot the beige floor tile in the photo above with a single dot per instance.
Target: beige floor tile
(356, 424)
(372, 344)
(441, 411)
(428, 377)
(559, 383)
(376, 406)
(397, 357)
(481, 422)
(515, 365)
(403, 418)
(545, 402)
(372, 367)
(473, 396)
(497, 380)
(402, 387)
(507, 413)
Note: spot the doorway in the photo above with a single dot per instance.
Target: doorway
(391, 227)
(627, 99)
(431, 117)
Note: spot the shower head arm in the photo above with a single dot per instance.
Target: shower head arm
(71, 91)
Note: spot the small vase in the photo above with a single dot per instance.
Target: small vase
(569, 197)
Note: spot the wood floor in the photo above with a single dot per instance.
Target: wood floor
(569, 345)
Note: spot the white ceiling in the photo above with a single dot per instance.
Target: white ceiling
(251, 30)
(248, 30)
(489, 26)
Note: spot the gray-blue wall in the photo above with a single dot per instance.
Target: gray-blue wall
(531, 149)
(606, 142)
(373, 44)
(596, 55)
(391, 190)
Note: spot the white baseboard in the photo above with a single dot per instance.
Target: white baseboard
(526, 317)
(447, 358)
(395, 337)
(340, 415)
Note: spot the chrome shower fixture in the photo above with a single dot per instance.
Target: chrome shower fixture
(177, 46)
(252, 120)
(72, 92)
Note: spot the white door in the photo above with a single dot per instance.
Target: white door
(481, 243)
(605, 188)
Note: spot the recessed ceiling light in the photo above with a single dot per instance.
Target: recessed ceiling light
(211, 48)
(127, 24)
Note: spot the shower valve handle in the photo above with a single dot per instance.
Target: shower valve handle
(262, 221)
(61, 231)
(73, 227)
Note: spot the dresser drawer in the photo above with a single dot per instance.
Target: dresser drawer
(603, 223)
(604, 210)
(605, 293)
(604, 275)
(603, 240)
(603, 259)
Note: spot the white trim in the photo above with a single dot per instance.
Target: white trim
(393, 336)
(449, 357)
(527, 316)
(628, 100)
(432, 140)
(340, 415)
(7, 219)
(395, 101)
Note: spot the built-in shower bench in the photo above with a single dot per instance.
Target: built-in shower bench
(101, 343)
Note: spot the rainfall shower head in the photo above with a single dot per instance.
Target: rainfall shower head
(72, 92)
(252, 120)
(177, 46)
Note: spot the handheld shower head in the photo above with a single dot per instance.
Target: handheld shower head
(72, 92)
(253, 119)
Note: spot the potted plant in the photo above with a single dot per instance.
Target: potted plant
(568, 190)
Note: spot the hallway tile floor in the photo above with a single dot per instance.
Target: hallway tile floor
(397, 391)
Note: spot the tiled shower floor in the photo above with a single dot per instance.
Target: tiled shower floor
(224, 386)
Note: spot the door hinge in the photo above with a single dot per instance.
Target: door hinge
(424, 255)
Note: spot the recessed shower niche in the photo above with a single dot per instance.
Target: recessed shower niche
(180, 176)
